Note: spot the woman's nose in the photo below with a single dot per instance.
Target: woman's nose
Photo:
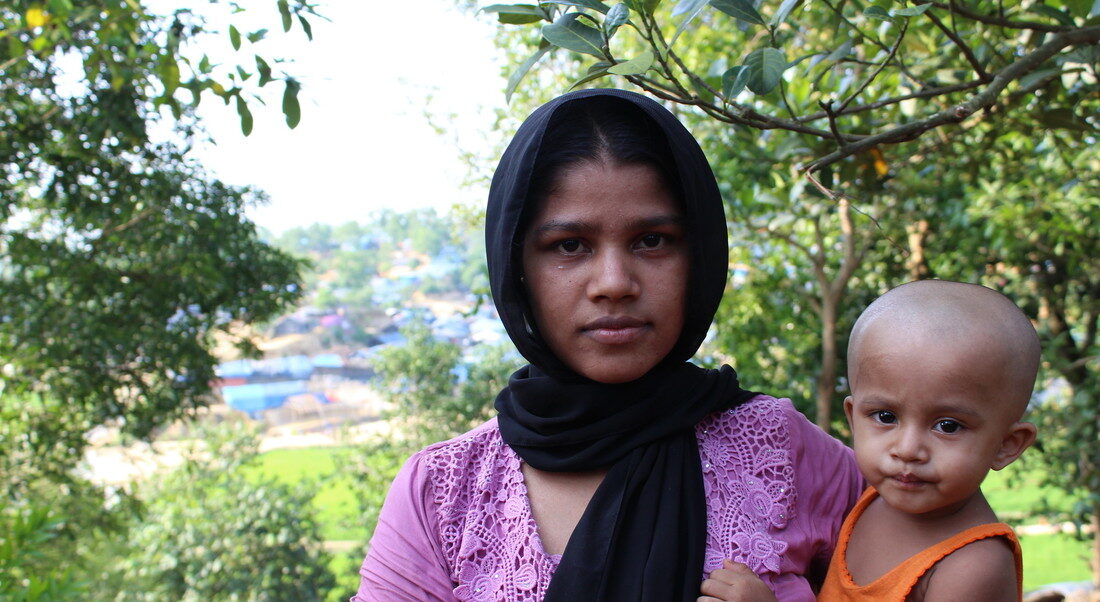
(908, 445)
(613, 277)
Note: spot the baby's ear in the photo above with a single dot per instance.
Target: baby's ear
(848, 409)
(1019, 437)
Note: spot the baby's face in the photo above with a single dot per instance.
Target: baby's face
(929, 419)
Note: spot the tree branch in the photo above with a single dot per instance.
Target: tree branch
(967, 52)
(962, 11)
(930, 92)
(982, 100)
(890, 56)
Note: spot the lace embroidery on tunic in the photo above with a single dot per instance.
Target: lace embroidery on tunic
(490, 539)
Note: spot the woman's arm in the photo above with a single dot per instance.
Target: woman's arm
(405, 560)
(828, 484)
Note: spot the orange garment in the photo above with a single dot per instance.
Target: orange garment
(896, 584)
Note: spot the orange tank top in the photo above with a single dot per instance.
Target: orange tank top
(896, 584)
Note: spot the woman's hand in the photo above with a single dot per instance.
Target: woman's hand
(735, 582)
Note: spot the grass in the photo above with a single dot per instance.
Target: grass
(1014, 493)
(1054, 559)
(334, 501)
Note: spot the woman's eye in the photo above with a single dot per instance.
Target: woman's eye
(651, 241)
(948, 426)
(571, 245)
(884, 417)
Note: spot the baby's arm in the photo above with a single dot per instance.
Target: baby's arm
(982, 571)
(735, 582)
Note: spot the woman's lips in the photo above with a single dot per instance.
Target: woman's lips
(619, 330)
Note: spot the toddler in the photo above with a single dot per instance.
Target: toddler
(940, 373)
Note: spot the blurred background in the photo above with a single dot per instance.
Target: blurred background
(242, 268)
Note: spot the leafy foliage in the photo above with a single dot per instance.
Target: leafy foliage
(119, 257)
(213, 532)
(435, 395)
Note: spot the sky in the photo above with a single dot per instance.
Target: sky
(364, 142)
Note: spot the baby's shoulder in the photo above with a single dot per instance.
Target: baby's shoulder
(980, 570)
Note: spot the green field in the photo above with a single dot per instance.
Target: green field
(335, 499)
(1014, 493)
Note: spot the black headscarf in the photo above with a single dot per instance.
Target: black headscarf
(643, 534)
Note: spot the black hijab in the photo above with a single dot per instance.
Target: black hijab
(643, 534)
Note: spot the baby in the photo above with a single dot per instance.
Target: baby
(940, 373)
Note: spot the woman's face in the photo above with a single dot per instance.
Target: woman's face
(606, 265)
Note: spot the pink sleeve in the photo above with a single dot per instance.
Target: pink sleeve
(828, 483)
(405, 561)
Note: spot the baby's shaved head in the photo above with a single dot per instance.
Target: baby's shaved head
(960, 315)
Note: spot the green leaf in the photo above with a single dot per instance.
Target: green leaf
(284, 12)
(596, 71)
(765, 68)
(688, 7)
(733, 81)
(910, 11)
(645, 7)
(204, 65)
(263, 69)
(291, 109)
(517, 14)
(593, 4)
(1064, 119)
(246, 116)
(570, 34)
(841, 51)
(635, 66)
(61, 7)
(306, 27)
(691, 8)
(800, 59)
(784, 11)
(1037, 76)
(1083, 54)
(877, 12)
(1062, 17)
(615, 18)
(170, 76)
(521, 71)
(257, 35)
(739, 9)
(234, 37)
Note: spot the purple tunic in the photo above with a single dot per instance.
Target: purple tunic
(457, 524)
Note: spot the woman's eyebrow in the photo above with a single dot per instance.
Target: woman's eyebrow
(659, 220)
(654, 221)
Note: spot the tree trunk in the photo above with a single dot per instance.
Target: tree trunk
(917, 264)
(826, 380)
(1096, 546)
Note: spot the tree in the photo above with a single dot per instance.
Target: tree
(846, 136)
(120, 256)
(210, 531)
(435, 394)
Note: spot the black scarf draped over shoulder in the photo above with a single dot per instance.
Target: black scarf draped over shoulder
(643, 534)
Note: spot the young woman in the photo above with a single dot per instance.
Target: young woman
(616, 469)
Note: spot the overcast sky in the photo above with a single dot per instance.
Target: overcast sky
(364, 143)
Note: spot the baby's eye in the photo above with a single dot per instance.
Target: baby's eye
(884, 417)
(947, 426)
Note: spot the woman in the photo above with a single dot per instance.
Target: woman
(615, 469)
